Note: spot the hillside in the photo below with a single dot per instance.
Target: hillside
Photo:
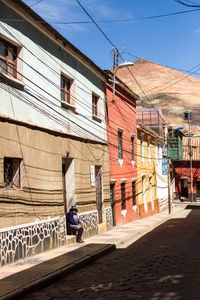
(171, 90)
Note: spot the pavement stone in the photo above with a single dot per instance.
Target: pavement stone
(43, 268)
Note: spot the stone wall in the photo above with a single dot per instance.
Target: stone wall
(90, 223)
(109, 220)
(29, 239)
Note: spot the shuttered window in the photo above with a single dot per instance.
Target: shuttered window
(123, 196)
(120, 148)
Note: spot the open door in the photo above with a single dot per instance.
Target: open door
(69, 196)
(184, 187)
(99, 204)
(112, 202)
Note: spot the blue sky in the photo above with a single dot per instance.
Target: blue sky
(172, 41)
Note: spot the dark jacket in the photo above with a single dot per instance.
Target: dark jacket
(70, 219)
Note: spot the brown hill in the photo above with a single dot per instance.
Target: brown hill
(171, 90)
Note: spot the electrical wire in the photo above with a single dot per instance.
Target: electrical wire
(105, 21)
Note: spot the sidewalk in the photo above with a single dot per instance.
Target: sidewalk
(41, 269)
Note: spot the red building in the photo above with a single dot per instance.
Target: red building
(121, 127)
(182, 173)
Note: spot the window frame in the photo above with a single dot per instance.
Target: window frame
(95, 104)
(142, 147)
(18, 169)
(8, 46)
(149, 149)
(120, 144)
(132, 148)
(65, 89)
(134, 193)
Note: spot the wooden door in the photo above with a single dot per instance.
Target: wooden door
(98, 174)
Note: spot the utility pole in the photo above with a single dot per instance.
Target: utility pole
(115, 63)
(187, 115)
(168, 176)
(190, 154)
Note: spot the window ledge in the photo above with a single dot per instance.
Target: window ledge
(67, 105)
(124, 212)
(12, 81)
(96, 118)
(135, 208)
(120, 161)
(133, 163)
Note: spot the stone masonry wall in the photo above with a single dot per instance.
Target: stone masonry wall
(26, 240)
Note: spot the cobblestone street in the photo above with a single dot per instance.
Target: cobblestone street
(164, 264)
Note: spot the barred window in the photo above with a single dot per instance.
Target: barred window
(12, 172)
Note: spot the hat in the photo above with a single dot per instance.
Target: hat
(74, 208)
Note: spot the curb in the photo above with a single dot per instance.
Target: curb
(131, 239)
(59, 273)
(68, 269)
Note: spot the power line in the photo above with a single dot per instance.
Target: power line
(36, 3)
(187, 3)
(106, 21)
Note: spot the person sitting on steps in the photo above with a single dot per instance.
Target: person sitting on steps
(74, 222)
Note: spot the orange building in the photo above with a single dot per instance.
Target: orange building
(121, 127)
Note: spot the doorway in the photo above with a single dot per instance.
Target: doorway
(184, 187)
(198, 189)
(69, 196)
(144, 193)
(112, 202)
(151, 192)
(98, 176)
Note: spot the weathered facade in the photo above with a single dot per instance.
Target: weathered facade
(153, 119)
(54, 150)
(148, 202)
(121, 126)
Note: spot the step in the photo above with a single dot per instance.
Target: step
(70, 239)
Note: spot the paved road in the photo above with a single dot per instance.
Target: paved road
(164, 264)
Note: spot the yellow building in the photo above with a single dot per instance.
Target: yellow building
(149, 155)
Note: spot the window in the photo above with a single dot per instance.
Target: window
(95, 100)
(65, 89)
(8, 58)
(156, 152)
(149, 150)
(142, 148)
(123, 196)
(144, 193)
(132, 148)
(133, 193)
(120, 148)
(12, 173)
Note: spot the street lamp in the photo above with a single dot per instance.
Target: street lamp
(116, 67)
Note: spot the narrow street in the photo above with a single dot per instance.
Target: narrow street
(164, 264)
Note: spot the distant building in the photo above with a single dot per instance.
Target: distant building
(152, 119)
(148, 158)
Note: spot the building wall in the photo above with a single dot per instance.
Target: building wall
(40, 64)
(121, 116)
(182, 171)
(146, 168)
(161, 179)
(41, 192)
